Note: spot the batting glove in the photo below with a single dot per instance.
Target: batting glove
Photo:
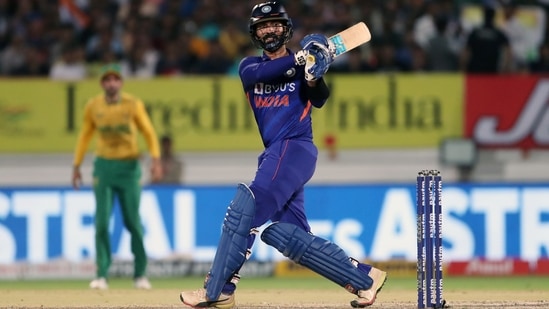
(318, 62)
(317, 39)
(300, 57)
(309, 39)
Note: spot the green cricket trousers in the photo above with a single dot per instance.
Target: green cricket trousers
(117, 179)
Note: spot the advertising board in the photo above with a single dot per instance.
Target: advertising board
(212, 114)
(376, 222)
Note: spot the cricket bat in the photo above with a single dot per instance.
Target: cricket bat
(343, 42)
(350, 38)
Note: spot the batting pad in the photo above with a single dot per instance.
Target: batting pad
(317, 254)
(231, 251)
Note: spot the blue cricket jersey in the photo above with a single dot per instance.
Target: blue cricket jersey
(278, 95)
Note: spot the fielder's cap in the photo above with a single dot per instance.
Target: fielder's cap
(111, 69)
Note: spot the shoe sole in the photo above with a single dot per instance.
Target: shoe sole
(184, 303)
(356, 304)
(219, 306)
(99, 286)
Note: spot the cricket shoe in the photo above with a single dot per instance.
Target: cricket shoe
(368, 297)
(99, 284)
(142, 283)
(198, 299)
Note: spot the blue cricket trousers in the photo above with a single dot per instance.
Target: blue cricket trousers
(283, 170)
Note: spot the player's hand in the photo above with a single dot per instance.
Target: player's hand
(318, 62)
(156, 170)
(317, 40)
(76, 178)
(320, 55)
(300, 57)
(312, 39)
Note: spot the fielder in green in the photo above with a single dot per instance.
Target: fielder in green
(116, 117)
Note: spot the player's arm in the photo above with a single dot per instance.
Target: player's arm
(146, 128)
(84, 138)
(251, 71)
(317, 92)
(317, 64)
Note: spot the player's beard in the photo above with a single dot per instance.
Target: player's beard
(272, 42)
(112, 94)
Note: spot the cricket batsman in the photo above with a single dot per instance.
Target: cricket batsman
(282, 87)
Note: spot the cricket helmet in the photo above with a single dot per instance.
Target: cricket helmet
(270, 11)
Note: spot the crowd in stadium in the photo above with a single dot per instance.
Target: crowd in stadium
(71, 39)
